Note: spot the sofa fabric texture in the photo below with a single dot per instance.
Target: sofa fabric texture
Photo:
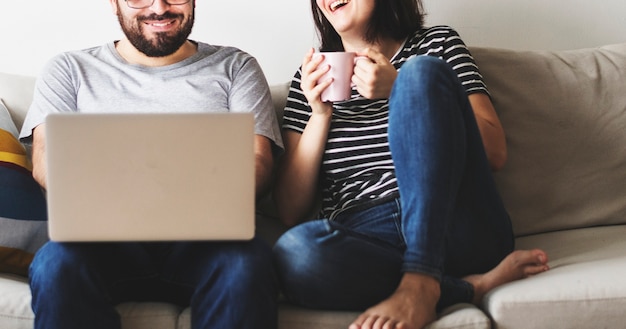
(585, 287)
(564, 113)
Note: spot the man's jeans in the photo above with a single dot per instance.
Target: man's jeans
(228, 284)
(448, 222)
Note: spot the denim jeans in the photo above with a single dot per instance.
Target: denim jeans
(227, 284)
(448, 222)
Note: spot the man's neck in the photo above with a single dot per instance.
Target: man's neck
(134, 56)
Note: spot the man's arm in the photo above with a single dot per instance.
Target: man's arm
(39, 155)
(264, 163)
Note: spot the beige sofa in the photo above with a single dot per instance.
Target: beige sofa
(565, 187)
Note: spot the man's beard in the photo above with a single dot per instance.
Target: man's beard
(163, 44)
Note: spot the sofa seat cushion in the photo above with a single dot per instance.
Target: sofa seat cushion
(16, 313)
(461, 316)
(149, 315)
(458, 316)
(294, 317)
(585, 286)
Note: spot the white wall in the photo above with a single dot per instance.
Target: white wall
(279, 32)
(533, 24)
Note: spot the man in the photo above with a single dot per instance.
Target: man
(154, 69)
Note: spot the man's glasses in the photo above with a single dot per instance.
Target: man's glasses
(141, 4)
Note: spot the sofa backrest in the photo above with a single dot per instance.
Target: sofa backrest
(16, 92)
(564, 114)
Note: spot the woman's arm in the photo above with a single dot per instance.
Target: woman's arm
(299, 170)
(491, 131)
(298, 176)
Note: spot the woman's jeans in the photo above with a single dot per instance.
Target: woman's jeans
(227, 284)
(449, 221)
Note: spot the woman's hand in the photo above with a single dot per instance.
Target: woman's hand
(373, 75)
(311, 74)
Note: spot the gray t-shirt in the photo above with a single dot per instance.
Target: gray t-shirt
(215, 79)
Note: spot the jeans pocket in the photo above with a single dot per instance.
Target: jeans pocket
(380, 224)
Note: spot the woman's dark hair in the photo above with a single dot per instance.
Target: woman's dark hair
(395, 19)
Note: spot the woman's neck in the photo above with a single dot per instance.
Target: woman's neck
(387, 47)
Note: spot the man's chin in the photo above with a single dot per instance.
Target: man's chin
(157, 53)
(160, 45)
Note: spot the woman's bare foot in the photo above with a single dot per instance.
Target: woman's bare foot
(412, 306)
(517, 265)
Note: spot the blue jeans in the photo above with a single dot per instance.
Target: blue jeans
(227, 284)
(448, 222)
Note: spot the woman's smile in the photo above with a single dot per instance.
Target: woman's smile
(338, 4)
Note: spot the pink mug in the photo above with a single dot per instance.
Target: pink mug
(341, 70)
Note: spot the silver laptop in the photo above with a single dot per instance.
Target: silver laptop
(150, 177)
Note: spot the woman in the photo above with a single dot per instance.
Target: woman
(411, 218)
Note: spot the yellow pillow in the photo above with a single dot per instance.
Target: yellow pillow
(12, 151)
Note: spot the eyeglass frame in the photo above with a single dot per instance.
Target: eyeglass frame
(152, 2)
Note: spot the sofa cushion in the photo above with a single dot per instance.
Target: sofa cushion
(149, 315)
(16, 91)
(585, 286)
(564, 114)
(461, 316)
(22, 203)
(16, 313)
(6, 121)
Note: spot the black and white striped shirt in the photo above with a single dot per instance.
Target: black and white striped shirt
(357, 166)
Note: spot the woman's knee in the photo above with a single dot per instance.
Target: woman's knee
(426, 96)
(425, 68)
(423, 78)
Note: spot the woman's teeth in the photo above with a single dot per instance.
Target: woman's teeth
(338, 4)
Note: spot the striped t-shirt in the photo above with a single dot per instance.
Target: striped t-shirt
(357, 168)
